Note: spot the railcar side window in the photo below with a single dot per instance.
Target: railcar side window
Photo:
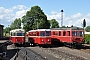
(68, 33)
(11, 33)
(59, 33)
(64, 33)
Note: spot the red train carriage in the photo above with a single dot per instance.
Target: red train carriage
(39, 36)
(17, 36)
(71, 35)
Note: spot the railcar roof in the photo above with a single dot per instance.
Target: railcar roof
(40, 30)
(67, 28)
(15, 30)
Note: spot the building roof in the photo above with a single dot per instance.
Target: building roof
(2, 25)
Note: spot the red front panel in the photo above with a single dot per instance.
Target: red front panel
(78, 39)
(17, 39)
(43, 40)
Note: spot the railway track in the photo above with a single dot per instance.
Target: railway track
(27, 54)
(37, 53)
(58, 54)
(63, 55)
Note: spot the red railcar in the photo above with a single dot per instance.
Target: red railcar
(39, 36)
(71, 35)
(17, 36)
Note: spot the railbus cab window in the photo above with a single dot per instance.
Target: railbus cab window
(48, 33)
(81, 33)
(77, 33)
(73, 33)
(42, 33)
(20, 34)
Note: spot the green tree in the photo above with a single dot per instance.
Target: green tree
(87, 38)
(35, 18)
(54, 23)
(63, 26)
(6, 30)
(87, 29)
(16, 24)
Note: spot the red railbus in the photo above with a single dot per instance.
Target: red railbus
(68, 35)
(17, 36)
(39, 36)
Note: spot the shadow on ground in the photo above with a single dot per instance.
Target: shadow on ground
(11, 53)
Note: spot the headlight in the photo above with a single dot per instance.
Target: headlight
(42, 40)
(48, 40)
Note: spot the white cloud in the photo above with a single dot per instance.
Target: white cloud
(75, 19)
(21, 13)
(20, 7)
(7, 16)
(78, 15)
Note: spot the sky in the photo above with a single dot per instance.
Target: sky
(75, 11)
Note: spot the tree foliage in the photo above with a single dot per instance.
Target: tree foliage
(35, 18)
(87, 29)
(63, 26)
(87, 38)
(16, 24)
(54, 23)
(6, 30)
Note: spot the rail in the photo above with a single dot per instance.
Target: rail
(22, 52)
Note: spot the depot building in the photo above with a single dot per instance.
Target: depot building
(1, 31)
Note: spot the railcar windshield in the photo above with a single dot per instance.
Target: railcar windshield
(45, 33)
(77, 33)
(73, 33)
(81, 33)
(42, 33)
(20, 34)
(48, 33)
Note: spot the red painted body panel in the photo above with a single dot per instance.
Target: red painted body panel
(41, 40)
(39, 36)
(17, 39)
(67, 38)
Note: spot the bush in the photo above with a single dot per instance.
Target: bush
(87, 38)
